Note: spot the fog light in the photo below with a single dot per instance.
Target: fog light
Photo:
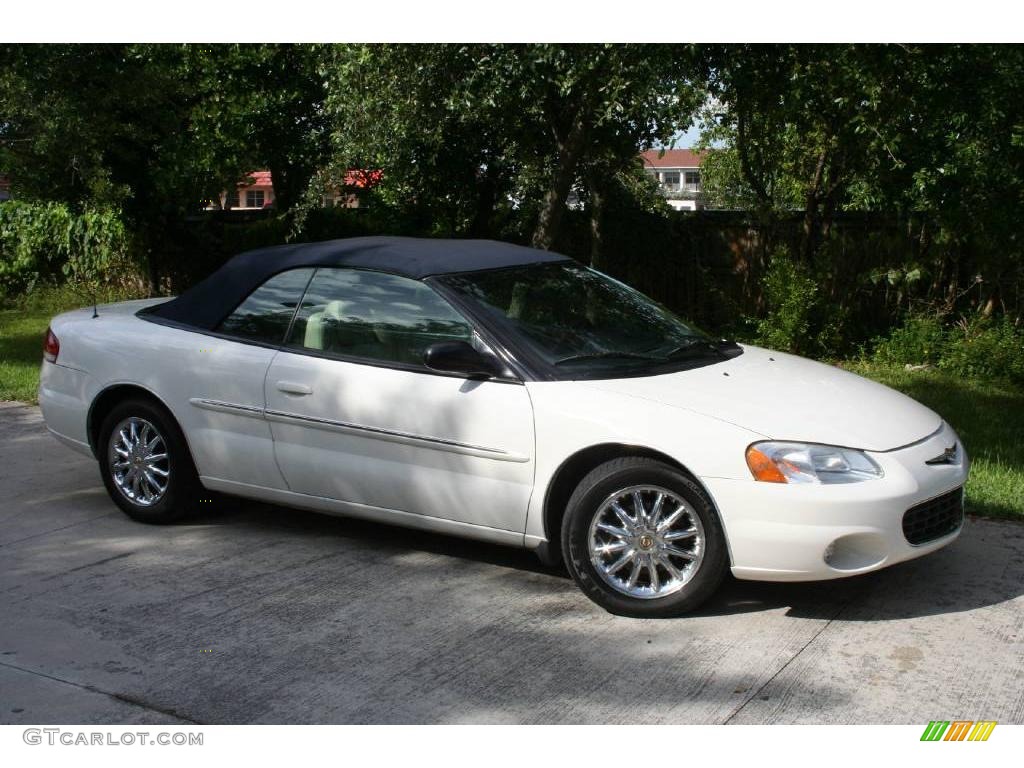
(856, 552)
(830, 550)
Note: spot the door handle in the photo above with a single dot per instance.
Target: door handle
(291, 388)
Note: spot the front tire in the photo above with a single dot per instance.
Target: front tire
(145, 463)
(642, 539)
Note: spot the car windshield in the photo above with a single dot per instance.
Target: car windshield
(577, 319)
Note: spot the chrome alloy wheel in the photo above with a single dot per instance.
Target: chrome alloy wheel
(646, 542)
(138, 461)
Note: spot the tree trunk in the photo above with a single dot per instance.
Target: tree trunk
(549, 222)
(764, 201)
(812, 204)
(279, 177)
(290, 183)
(596, 229)
(486, 199)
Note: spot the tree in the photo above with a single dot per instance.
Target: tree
(471, 129)
(594, 107)
(802, 123)
(152, 131)
(930, 136)
(447, 156)
(960, 171)
(105, 127)
(92, 123)
(260, 106)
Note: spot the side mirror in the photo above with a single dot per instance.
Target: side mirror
(461, 357)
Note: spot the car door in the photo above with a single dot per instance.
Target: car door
(222, 383)
(358, 418)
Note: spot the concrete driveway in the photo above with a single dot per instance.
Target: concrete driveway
(258, 614)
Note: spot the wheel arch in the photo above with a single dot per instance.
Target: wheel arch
(569, 474)
(113, 394)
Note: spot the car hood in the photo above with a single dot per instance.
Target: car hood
(785, 397)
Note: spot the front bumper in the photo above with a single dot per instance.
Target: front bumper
(780, 532)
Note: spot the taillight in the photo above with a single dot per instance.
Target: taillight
(51, 347)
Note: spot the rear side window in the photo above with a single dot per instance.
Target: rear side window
(266, 314)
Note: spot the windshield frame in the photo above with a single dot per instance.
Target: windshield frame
(532, 366)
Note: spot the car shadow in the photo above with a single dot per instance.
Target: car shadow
(985, 567)
(297, 522)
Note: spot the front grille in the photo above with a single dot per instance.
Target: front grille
(934, 518)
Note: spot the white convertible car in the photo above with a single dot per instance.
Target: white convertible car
(507, 394)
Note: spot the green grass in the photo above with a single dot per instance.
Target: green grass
(21, 352)
(23, 324)
(988, 416)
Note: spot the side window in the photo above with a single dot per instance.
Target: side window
(374, 315)
(266, 313)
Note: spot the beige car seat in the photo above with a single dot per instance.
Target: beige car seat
(324, 329)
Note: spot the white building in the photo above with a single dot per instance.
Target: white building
(678, 173)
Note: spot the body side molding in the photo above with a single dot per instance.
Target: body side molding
(425, 441)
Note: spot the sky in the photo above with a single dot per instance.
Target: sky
(688, 138)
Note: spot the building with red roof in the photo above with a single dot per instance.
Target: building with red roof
(257, 192)
(678, 173)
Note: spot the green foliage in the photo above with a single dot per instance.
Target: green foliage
(478, 135)
(921, 340)
(802, 120)
(21, 345)
(155, 131)
(985, 348)
(930, 134)
(99, 126)
(50, 242)
(926, 142)
(724, 180)
(989, 417)
(791, 296)
(255, 107)
(975, 347)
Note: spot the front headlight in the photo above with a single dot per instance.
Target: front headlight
(777, 462)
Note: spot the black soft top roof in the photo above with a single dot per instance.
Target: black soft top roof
(207, 303)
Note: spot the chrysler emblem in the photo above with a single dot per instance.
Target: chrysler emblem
(948, 456)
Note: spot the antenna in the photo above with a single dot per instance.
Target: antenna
(89, 294)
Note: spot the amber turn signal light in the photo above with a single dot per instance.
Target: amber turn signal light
(763, 468)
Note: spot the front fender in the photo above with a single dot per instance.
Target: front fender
(571, 417)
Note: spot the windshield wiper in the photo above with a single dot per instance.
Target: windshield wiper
(693, 348)
(608, 354)
(696, 348)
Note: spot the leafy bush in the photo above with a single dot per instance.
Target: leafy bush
(791, 297)
(921, 340)
(50, 299)
(985, 348)
(972, 347)
(52, 243)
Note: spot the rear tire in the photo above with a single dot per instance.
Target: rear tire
(642, 539)
(145, 463)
